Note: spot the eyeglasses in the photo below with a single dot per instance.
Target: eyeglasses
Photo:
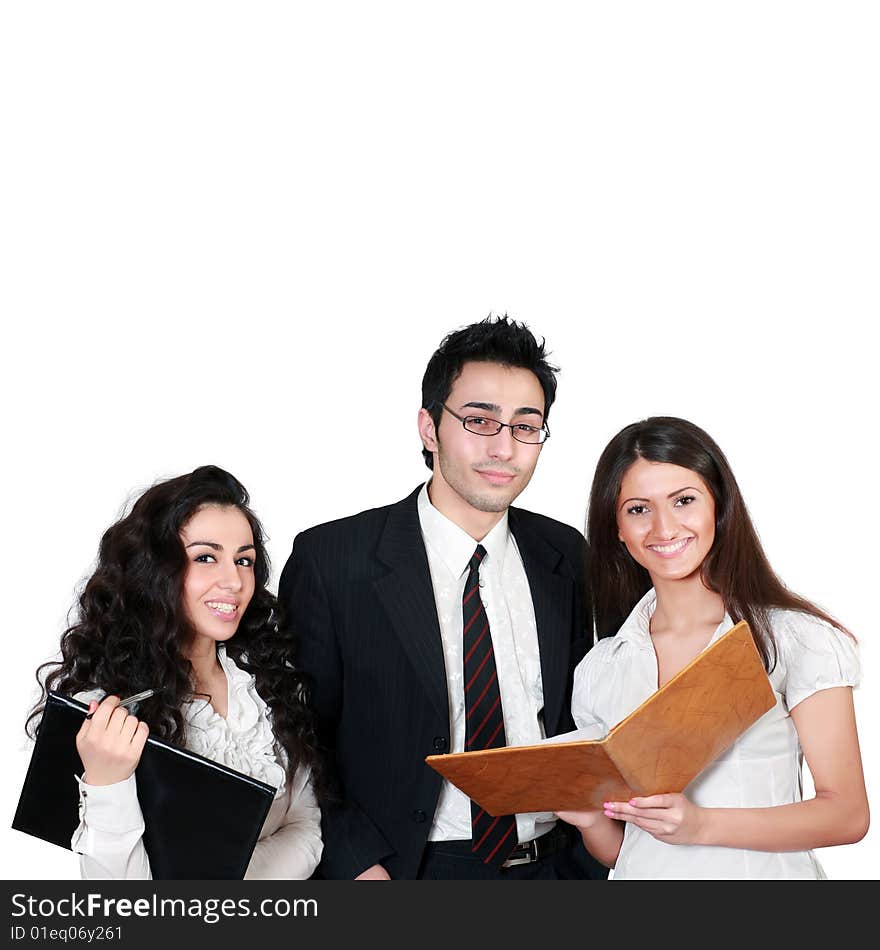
(480, 425)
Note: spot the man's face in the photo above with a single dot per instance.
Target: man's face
(488, 472)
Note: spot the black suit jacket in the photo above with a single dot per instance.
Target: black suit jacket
(357, 595)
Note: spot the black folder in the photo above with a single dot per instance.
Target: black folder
(202, 819)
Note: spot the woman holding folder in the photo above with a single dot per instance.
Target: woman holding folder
(674, 562)
(178, 604)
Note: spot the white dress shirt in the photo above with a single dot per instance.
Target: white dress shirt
(760, 769)
(109, 836)
(507, 601)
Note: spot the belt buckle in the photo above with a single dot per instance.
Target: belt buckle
(531, 855)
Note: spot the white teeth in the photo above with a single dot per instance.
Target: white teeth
(223, 608)
(669, 548)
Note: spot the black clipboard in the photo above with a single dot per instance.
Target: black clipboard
(202, 819)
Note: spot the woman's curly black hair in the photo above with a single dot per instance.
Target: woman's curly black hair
(132, 625)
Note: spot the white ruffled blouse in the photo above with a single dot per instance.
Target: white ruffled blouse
(761, 768)
(109, 836)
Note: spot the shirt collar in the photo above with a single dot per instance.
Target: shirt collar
(637, 626)
(453, 544)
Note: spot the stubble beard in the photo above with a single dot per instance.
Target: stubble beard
(481, 501)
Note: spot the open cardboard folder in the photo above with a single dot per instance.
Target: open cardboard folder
(659, 747)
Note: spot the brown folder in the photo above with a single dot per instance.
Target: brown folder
(660, 746)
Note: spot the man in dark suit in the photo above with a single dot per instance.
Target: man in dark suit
(448, 620)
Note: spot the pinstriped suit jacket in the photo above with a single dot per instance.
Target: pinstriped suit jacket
(357, 596)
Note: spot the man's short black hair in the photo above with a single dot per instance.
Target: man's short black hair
(493, 340)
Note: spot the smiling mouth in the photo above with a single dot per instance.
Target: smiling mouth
(220, 607)
(672, 548)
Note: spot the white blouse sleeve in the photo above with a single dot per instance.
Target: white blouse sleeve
(294, 849)
(109, 838)
(583, 693)
(816, 656)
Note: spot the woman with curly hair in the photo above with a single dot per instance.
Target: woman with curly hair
(179, 601)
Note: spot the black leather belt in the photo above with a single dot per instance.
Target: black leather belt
(538, 848)
(557, 839)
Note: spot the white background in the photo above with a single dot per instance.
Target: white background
(235, 232)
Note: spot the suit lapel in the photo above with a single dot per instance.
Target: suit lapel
(408, 598)
(552, 601)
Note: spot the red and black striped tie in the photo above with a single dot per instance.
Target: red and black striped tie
(493, 838)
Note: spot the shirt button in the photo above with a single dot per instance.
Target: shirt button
(419, 816)
(440, 744)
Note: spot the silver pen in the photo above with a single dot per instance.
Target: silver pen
(136, 698)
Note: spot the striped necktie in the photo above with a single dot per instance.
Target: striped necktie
(493, 838)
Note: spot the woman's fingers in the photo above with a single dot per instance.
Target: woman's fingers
(142, 730)
(648, 806)
(118, 720)
(664, 816)
(105, 710)
(86, 723)
(645, 802)
(111, 719)
(654, 801)
(111, 745)
(129, 728)
(94, 729)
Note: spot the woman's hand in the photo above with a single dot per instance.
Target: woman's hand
(110, 743)
(582, 820)
(602, 838)
(670, 818)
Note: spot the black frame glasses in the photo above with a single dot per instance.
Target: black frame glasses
(542, 433)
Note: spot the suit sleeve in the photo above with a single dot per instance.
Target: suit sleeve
(352, 843)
